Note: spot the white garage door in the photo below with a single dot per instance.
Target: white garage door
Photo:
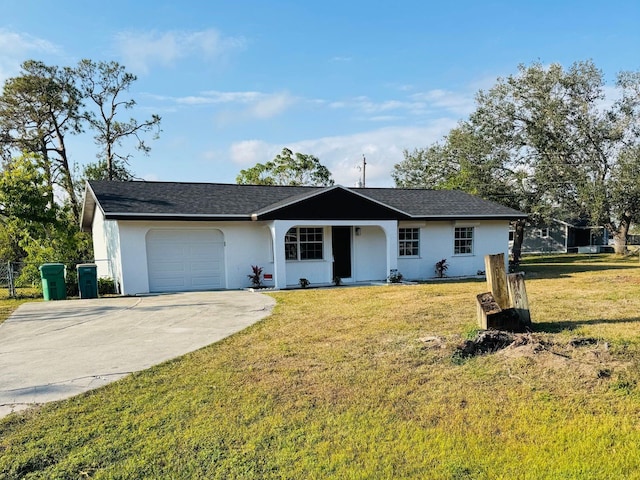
(183, 260)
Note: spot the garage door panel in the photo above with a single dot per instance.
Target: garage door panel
(206, 267)
(174, 252)
(204, 282)
(204, 250)
(170, 267)
(169, 283)
(182, 260)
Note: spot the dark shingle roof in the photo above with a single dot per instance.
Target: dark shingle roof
(436, 203)
(172, 200)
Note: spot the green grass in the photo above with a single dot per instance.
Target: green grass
(339, 383)
(8, 304)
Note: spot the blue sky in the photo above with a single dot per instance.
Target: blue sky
(235, 82)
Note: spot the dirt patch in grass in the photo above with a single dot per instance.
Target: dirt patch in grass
(586, 358)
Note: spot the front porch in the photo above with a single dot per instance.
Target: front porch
(319, 251)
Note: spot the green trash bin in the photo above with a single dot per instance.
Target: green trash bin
(88, 280)
(53, 286)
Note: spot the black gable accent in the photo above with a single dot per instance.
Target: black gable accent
(334, 204)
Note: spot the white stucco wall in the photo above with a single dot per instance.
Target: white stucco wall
(368, 253)
(246, 244)
(374, 251)
(106, 248)
(101, 256)
(437, 242)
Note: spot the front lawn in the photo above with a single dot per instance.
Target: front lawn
(8, 305)
(367, 382)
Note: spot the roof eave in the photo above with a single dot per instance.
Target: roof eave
(88, 208)
(174, 216)
(470, 217)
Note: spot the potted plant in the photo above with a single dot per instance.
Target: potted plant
(441, 268)
(394, 277)
(256, 276)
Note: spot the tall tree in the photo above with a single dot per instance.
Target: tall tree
(287, 168)
(463, 160)
(567, 153)
(104, 84)
(25, 209)
(554, 123)
(33, 230)
(24, 192)
(38, 109)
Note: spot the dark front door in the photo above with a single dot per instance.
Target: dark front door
(341, 252)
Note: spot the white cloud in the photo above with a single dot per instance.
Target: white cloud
(455, 102)
(417, 104)
(271, 105)
(141, 50)
(342, 155)
(611, 95)
(384, 118)
(16, 47)
(250, 152)
(228, 97)
(369, 107)
(246, 105)
(383, 147)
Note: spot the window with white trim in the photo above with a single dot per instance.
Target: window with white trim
(304, 243)
(544, 232)
(463, 241)
(409, 242)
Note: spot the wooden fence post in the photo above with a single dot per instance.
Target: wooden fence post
(518, 297)
(497, 279)
(486, 306)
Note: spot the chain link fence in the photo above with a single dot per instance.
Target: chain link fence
(19, 279)
(22, 279)
(7, 278)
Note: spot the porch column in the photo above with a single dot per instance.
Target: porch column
(278, 231)
(390, 229)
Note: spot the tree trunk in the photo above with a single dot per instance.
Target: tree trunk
(518, 239)
(67, 182)
(46, 166)
(67, 179)
(620, 234)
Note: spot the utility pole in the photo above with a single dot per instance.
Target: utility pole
(364, 171)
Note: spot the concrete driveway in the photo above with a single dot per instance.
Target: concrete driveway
(54, 350)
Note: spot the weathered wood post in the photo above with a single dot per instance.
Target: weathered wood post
(505, 306)
(487, 307)
(497, 279)
(518, 297)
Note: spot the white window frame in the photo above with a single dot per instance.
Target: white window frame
(411, 243)
(544, 232)
(462, 243)
(297, 239)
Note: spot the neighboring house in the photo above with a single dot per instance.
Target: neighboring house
(558, 236)
(168, 236)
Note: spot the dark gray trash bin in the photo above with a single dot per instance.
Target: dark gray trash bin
(88, 280)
